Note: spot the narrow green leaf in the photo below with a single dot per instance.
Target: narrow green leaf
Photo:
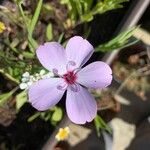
(49, 32)
(73, 11)
(21, 99)
(6, 96)
(120, 41)
(87, 17)
(35, 17)
(47, 116)
(28, 55)
(14, 43)
(10, 77)
(19, 3)
(32, 43)
(57, 115)
(78, 7)
(33, 117)
(101, 125)
(60, 38)
(87, 4)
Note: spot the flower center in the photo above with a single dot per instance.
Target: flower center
(70, 77)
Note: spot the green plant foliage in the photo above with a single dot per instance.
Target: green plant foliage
(6, 96)
(121, 41)
(28, 55)
(10, 74)
(101, 125)
(35, 17)
(49, 32)
(15, 59)
(53, 115)
(85, 10)
(33, 117)
(30, 24)
(57, 115)
(21, 99)
(12, 56)
(60, 38)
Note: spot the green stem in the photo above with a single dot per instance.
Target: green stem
(9, 76)
(22, 14)
(5, 97)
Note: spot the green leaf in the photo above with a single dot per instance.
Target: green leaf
(87, 17)
(32, 25)
(25, 19)
(28, 55)
(78, 7)
(60, 38)
(10, 77)
(33, 117)
(122, 40)
(57, 115)
(32, 43)
(46, 115)
(64, 2)
(73, 12)
(87, 4)
(21, 99)
(99, 8)
(101, 125)
(6, 96)
(49, 32)
(35, 17)
(107, 5)
(14, 43)
(48, 7)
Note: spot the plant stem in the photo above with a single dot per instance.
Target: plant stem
(9, 76)
(22, 14)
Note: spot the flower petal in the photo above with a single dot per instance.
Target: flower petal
(79, 50)
(44, 94)
(52, 56)
(95, 75)
(81, 106)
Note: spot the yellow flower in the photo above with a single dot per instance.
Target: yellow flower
(62, 134)
(2, 27)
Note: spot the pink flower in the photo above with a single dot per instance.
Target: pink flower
(66, 65)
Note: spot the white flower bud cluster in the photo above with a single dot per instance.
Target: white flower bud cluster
(27, 79)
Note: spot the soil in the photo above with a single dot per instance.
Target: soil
(22, 135)
(136, 60)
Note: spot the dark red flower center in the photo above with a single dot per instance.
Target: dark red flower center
(70, 77)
